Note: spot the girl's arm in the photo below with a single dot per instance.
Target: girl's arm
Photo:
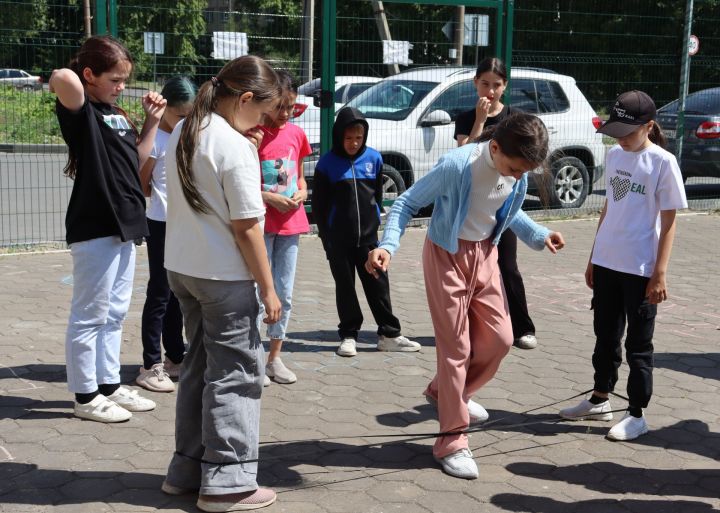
(146, 176)
(249, 239)
(656, 290)
(589, 268)
(482, 108)
(154, 106)
(301, 194)
(69, 90)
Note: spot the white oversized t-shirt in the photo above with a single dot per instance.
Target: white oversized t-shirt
(638, 186)
(157, 207)
(227, 175)
(488, 192)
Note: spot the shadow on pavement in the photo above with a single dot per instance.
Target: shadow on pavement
(608, 477)
(703, 365)
(537, 504)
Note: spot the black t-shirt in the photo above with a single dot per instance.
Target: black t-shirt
(465, 120)
(106, 198)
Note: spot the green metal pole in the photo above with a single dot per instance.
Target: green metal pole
(684, 82)
(327, 112)
(499, 20)
(100, 17)
(509, 28)
(112, 10)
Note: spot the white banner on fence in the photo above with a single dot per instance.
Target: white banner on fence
(229, 45)
(396, 52)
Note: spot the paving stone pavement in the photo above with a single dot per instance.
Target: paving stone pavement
(352, 434)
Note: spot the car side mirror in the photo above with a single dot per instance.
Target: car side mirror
(436, 117)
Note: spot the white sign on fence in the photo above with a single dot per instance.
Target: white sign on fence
(154, 42)
(396, 52)
(476, 30)
(229, 45)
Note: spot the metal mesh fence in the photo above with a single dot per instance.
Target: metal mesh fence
(570, 60)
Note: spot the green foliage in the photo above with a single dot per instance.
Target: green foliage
(28, 117)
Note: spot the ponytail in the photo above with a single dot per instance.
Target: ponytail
(241, 75)
(657, 136)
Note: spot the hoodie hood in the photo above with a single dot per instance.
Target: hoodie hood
(346, 117)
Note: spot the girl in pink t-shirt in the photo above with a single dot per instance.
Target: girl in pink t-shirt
(284, 190)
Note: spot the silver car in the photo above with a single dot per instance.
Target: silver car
(20, 79)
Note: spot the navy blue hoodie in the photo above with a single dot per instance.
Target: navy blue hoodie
(347, 190)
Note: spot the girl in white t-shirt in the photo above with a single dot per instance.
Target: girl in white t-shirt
(161, 317)
(214, 254)
(628, 264)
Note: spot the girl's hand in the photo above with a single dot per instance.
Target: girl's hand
(255, 136)
(378, 260)
(555, 242)
(299, 196)
(272, 307)
(154, 105)
(589, 274)
(656, 290)
(281, 203)
(481, 109)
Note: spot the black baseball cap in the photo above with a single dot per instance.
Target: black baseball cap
(631, 110)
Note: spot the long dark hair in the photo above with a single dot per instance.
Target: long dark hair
(657, 136)
(99, 54)
(179, 90)
(244, 74)
(520, 135)
(494, 65)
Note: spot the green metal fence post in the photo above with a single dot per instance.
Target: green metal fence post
(509, 21)
(112, 11)
(101, 17)
(329, 36)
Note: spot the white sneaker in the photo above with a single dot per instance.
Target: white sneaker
(399, 343)
(101, 409)
(588, 411)
(347, 347)
(476, 412)
(629, 428)
(528, 341)
(155, 379)
(172, 369)
(131, 400)
(460, 464)
(266, 381)
(276, 370)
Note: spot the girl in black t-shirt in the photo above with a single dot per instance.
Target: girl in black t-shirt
(105, 216)
(490, 81)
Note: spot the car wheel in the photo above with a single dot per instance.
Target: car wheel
(393, 183)
(570, 183)
(28, 87)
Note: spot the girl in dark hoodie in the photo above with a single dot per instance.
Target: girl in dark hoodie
(347, 197)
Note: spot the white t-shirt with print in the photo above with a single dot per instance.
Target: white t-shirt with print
(157, 207)
(488, 192)
(638, 186)
(227, 175)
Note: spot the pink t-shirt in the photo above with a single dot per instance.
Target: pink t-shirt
(280, 153)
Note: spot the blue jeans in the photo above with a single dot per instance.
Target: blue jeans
(282, 252)
(217, 420)
(103, 271)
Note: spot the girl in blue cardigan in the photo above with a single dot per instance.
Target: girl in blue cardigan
(477, 190)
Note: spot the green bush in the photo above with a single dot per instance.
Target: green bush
(28, 117)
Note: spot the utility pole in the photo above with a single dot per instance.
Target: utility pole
(384, 29)
(87, 18)
(684, 81)
(459, 34)
(308, 38)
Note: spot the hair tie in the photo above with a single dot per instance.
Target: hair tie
(215, 81)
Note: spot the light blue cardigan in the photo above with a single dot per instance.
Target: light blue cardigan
(448, 185)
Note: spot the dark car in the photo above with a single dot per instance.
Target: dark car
(701, 143)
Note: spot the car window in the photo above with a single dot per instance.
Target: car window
(670, 108)
(560, 100)
(3, 73)
(392, 99)
(455, 99)
(339, 94)
(355, 89)
(523, 95)
(15, 73)
(704, 102)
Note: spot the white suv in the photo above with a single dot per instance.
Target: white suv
(411, 117)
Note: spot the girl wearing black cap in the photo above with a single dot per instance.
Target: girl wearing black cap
(628, 263)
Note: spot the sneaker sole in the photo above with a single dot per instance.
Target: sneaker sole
(175, 490)
(282, 381)
(220, 507)
(87, 416)
(450, 472)
(616, 438)
(399, 350)
(345, 354)
(601, 417)
(147, 386)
